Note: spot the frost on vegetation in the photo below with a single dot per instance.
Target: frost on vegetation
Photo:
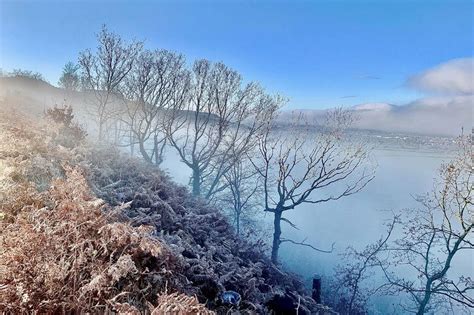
(107, 233)
(62, 248)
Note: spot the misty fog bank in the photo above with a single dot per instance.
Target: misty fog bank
(445, 116)
(428, 116)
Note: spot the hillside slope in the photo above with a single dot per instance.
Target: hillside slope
(87, 229)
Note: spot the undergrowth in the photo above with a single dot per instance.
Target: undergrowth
(87, 230)
(64, 250)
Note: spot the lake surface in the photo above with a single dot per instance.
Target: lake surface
(357, 220)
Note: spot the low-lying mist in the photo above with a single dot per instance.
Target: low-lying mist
(355, 221)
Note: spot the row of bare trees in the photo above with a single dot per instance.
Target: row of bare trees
(223, 129)
(228, 135)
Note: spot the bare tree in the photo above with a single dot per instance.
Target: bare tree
(104, 72)
(430, 239)
(217, 125)
(296, 163)
(242, 196)
(348, 294)
(157, 83)
(434, 235)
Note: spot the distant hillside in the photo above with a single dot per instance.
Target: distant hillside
(37, 96)
(428, 116)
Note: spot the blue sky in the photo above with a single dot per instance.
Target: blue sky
(318, 53)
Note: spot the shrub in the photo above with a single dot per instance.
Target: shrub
(27, 74)
(70, 133)
(60, 115)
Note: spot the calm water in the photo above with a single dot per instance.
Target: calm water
(357, 220)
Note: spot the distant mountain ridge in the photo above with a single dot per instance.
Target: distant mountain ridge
(441, 115)
(446, 116)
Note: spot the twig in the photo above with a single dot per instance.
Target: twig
(302, 243)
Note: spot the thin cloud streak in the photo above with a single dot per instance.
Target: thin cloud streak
(349, 96)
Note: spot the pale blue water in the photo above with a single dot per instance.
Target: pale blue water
(357, 220)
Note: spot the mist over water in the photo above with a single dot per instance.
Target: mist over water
(359, 219)
(285, 158)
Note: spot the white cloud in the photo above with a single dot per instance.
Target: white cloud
(437, 115)
(433, 115)
(445, 112)
(453, 77)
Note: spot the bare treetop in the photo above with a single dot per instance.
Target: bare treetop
(218, 124)
(297, 162)
(419, 262)
(103, 72)
(433, 236)
(114, 58)
(157, 84)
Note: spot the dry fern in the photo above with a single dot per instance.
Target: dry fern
(179, 304)
(59, 251)
(65, 250)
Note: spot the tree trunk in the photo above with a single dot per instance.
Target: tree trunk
(422, 307)
(116, 132)
(101, 128)
(238, 224)
(276, 236)
(426, 298)
(132, 144)
(316, 294)
(196, 181)
(157, 154)
(145, 155)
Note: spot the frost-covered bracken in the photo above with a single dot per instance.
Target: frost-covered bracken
(87, 230)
